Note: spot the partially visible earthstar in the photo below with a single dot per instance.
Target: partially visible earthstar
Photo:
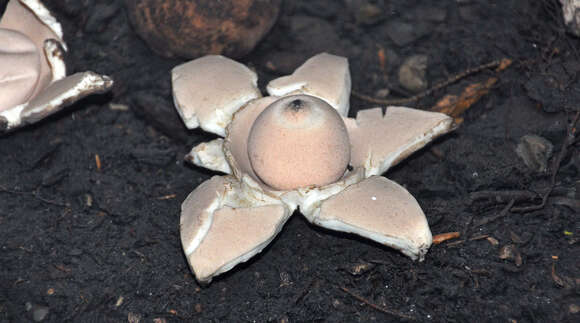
(33, 80)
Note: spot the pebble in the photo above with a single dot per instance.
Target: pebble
(39, 312)
(511, 252)
(535, 151)
(307, 29)
(309, 36)
(190, 29)
(412, 73)
(401, 33)
(369, 14)
(382, 93)
(404, 33)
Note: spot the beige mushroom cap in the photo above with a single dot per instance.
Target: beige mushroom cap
(210, 155)
(209, 90)
(33, 81)
(236, 142)
(19, 68)
(380, 141)
(65, 91)
(32, 19)
(381, 210)
(324, 76)
(221, 227)
(299, 141)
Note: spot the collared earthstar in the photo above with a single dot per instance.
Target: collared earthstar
(33, 81)
(294, 149)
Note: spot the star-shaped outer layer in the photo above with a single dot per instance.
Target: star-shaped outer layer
(33, 81)
(228, 219)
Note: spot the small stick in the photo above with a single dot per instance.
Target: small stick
(6, 190)
(305, 292)
(167, 197)
(98, 161)
(377, 307)
(503, 213)
(500, 63)
(40, 198)
(34, 194)
(504, 196)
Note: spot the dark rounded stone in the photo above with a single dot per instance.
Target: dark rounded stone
(191, 29)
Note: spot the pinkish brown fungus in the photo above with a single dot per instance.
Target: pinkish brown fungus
(33, 80)
(299, 141)
(292, 150)
(19, 68)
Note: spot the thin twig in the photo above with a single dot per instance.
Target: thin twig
(378, 307)
(427, 92)
(569, 141)
(305, 292)
(504, 196)
(35, 195)
(6, 190)
(442, 237)
(42, 199)
(501, 214)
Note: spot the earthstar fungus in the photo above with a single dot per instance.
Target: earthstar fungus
(296, 148)
(298, 141)
(33, 81)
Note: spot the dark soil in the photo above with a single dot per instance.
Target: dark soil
(102, 245)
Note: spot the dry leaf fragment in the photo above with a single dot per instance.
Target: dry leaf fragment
(444, 237)
(360, 268)
(493, 241)
(454, 106)
(382, 59)
(504, 63)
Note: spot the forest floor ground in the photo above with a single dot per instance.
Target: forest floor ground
(83, 241)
